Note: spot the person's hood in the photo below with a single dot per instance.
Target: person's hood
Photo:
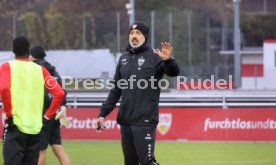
(51, 69)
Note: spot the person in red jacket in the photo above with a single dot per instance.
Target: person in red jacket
(22, 92)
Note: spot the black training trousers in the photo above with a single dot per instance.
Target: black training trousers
(20, 148)
(50, 134)
(138, 145)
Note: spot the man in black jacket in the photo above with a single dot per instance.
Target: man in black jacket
(138, 114)
(50, 134)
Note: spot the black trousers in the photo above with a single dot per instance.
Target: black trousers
(50, 134)
(138, 145)
(20, 148)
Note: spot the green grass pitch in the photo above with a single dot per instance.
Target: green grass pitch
(171, 153)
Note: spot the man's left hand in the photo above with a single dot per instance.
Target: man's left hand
(61, 113)
(166, 51)
(62, 117)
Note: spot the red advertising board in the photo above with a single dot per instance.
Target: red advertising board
(212, 124)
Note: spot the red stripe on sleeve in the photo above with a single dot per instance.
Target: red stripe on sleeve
(55, 89)
(5, 93)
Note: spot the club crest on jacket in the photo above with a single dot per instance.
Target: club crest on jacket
(141, 61)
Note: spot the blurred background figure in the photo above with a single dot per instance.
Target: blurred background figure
(50, 134)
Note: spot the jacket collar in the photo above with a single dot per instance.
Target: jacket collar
(138, 50)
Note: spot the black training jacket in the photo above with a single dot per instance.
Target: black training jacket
(138, 106)
(47, 95)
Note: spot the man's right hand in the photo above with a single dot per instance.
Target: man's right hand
(100, 124)
(44, 122)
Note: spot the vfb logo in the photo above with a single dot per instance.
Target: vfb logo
(165, 121)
